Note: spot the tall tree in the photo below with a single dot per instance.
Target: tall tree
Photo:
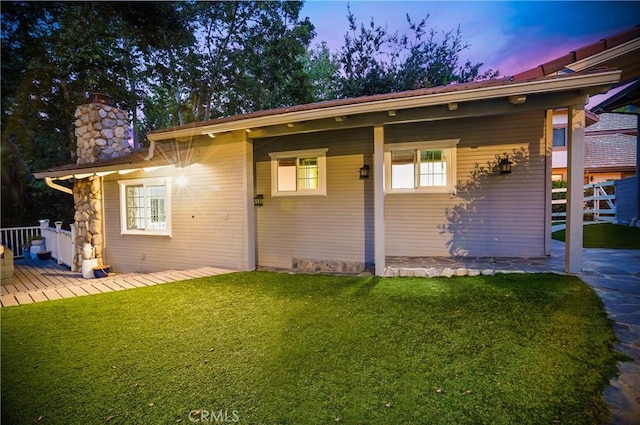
(53, 55)
(374, 61)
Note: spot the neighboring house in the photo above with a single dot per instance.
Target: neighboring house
(457, 170)
(610, 147)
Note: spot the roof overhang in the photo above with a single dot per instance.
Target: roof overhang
(514, 92)
(449, 102)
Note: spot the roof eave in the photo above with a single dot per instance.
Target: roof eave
(565, 83)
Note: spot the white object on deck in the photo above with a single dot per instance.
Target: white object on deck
(87, 268)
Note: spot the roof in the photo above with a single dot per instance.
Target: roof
(443, 95)
(508, 95)
(610, 152)
(627, 99)
(614, 122)
(620, 51)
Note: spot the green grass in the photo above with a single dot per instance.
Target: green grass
(267, 348)
(606, 235)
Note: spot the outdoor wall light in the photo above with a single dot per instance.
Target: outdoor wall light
(505, 165)
(364, 172)
(258, 200)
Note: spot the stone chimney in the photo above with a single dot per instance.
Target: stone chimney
(101, 130)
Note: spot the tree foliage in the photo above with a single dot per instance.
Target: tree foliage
(373, 60)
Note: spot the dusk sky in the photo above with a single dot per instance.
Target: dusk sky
(511, 36)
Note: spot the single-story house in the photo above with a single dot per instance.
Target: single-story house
(459, 170)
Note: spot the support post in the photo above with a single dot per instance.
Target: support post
(575, 189)
(378, 200)
(548, 144)
(58, 228)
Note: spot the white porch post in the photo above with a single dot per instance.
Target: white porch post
(575, 189)
(249, 243)
(548, 146)
(378, 200)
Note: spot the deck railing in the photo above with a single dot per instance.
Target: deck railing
(15, 238)
(58, 241)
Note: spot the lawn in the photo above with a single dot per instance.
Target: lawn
(268, 348)
(606, 235)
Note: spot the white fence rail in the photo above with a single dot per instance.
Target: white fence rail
(57, 240)
(597, 202)
(15, 238)
(60, 243)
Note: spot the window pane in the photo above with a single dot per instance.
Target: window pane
(559, 137)
(433, 168)
(135, 207)
(157, 218)
(308, 173)
(286, 175)
(403, 169)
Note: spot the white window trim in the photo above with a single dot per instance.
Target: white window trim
(448, 144)
(166, 181)
(321, 154)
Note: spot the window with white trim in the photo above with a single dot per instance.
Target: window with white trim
(428, 167)
(145, 206)
(299, 172)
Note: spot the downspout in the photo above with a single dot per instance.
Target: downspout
(56, 186)
(104, 232)
(152, 148)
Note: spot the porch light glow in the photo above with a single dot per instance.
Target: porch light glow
(505, 165)
(182, 180)
(364, 172)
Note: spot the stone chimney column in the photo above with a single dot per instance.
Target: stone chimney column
(101, 130)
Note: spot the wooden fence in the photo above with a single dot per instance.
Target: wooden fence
(599, 202)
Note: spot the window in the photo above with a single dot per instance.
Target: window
(145, 206)
(299, 172)
(559, 137)
(420, 167)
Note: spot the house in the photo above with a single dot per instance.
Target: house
(461, 170)
(610, 147)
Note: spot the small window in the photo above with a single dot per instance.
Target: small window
(145, 206)
(298, 172)
(559, 137)
(420, 167)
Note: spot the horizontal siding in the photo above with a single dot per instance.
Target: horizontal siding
(491, 214)
(338, 226)
(207, 217)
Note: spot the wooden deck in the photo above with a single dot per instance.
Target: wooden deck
(36, 281)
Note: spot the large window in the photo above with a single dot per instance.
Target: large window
(420, 167)
(145, 206)
(298, 172)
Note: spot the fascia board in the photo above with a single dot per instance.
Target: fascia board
(615, 52)
(524, 88)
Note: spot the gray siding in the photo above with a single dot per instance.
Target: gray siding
(626, 199)
(338, 226)
(491, 214)
(208, 222)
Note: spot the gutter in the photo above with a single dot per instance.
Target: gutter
(56, 186)
(571, 82)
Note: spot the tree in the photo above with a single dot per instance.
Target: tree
(323, 71)
(53, 55)
(374, 61)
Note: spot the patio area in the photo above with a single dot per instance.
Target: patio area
(36, 281)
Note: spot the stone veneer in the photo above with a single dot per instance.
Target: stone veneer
(102, 133)
(87, 199)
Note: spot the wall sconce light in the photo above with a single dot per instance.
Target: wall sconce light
(258, 200)
(505, 165)
(364, 172)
